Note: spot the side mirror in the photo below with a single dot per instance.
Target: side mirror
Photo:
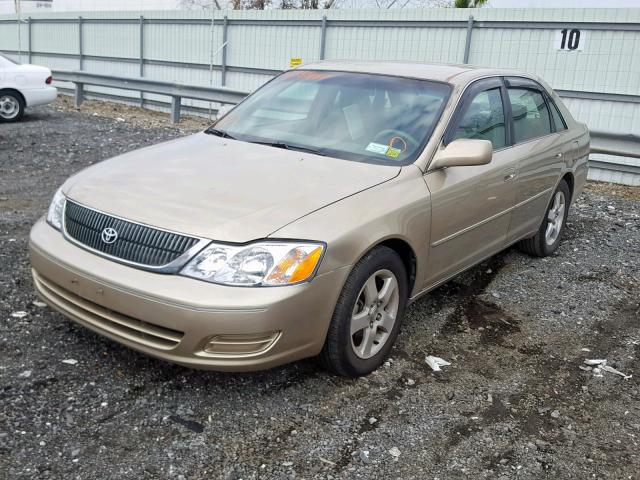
(223, 110)
(463, 152)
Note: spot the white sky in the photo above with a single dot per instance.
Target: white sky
(565, 3)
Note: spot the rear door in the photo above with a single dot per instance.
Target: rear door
(541, 143)
(471, 205)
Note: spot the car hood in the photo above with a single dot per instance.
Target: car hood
(218, 188)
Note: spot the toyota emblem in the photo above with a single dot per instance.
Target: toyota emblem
(109, 235)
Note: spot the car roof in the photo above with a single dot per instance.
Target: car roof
(457, 74)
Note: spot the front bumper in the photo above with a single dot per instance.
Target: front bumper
(173, 317)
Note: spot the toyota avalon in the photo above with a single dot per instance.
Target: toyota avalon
(304, 221)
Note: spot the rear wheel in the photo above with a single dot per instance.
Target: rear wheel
(11, 106)
(547, 239)
(368, 314)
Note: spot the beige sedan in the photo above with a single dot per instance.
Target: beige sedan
(305, 220)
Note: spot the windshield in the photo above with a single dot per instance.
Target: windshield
(354, 116)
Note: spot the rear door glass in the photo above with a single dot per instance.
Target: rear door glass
(530, 114)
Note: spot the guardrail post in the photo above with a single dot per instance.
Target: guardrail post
(78, 94)
(80, 41)
(141, 56)
(467, 45)
(223, 72)
(323, 36)
(175, 109)
(29, 39)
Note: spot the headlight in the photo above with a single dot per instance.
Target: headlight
(257, 264)
(54, 216)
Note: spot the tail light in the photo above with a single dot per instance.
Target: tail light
(49, 80)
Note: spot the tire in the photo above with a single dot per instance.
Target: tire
(11, 106)
(542, 244)
(354, 353)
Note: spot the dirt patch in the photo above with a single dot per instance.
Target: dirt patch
(611, 189)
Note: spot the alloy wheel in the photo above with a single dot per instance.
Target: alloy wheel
(374, 314)
(555, 218)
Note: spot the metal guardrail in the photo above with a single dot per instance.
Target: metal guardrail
(176, 91)
(615, 144)
(601, 142)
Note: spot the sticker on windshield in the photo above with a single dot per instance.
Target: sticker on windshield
(377, 148)
(393, 152)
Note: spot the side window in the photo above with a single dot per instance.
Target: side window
(484, 119)
(530, 114)
(557, 117)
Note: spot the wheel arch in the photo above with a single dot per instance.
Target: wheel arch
(406, 253)
(568, 177)
(14, 90)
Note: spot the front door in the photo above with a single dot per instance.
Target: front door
(471, 205)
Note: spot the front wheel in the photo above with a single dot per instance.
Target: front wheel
(11, 106)
(368, 314)
(547, 239)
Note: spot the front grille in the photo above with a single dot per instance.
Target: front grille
(106, 319)
(135, 243)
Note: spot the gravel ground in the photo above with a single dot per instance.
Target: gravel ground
(513, 404)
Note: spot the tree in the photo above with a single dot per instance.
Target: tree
(469, 3)
(333, 4)
(198, 4)
(381, 4)
(306, 4)
(249, 4)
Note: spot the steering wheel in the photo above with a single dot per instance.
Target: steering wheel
(384, 136)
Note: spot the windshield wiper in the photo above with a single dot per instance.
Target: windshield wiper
(218, 133)
(288, 146)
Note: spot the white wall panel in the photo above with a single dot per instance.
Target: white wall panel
(608, 63)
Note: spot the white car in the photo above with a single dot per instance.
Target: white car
(23, 86)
